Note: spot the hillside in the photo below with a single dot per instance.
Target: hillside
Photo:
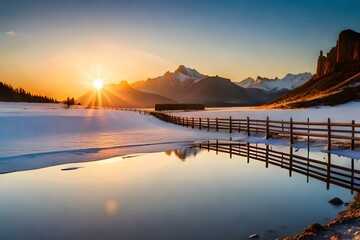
(121, 95)
(171, 84)
(215, 91)
(10, 94)
(187, 85)
(337, 79)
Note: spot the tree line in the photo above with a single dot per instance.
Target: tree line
(10, 94)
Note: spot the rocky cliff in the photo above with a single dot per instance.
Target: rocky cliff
(347, 50)
(337, 78)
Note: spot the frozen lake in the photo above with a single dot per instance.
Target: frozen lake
(182, 194)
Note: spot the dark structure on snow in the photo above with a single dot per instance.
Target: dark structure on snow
(179, 106)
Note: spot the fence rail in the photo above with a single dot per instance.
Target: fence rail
(349, 133)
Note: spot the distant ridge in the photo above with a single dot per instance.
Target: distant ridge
(121, 95)
(10, 94)
(337, 78)
(215, 90)
(289, 82)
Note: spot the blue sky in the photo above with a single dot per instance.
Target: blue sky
(133, 40)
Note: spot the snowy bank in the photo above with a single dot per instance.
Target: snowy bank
(36, 135)
(341, 113)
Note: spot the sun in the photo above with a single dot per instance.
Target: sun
(98, 84)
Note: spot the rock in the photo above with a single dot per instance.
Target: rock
(348, 46)
(336, 201)
(347, 49)
(254, 236)
(70, 168)
(316, 227)
(336, 237)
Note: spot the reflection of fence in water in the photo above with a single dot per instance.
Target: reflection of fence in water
(346, 177)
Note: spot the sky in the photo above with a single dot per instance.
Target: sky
(59, 48)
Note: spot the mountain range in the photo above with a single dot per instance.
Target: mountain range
(289, 82)
(337, 78)
(187, 85)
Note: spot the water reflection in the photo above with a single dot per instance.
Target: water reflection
(183, 153)
(338, 172)
(154, 196)
(111, 207)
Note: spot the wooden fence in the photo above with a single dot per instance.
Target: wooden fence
(348, 133)
(323, 170)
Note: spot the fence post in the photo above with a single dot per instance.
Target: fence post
(239, 125)
(352, 175)
(192, 124)
(291, 157)
(291, 132)
(308, 121)
(267, 156)
(329, 134)
(308, 138)
(328, 175)
(217, 125)
(208, 122)
(230, 150)
(248, 152)
(217, 146)
(199, 123)
(352, 135)
(230, 125)
(267, 128)
(187, 122)
(248, 126)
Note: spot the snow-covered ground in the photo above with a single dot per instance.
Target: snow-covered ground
(342, 113)
(39, 135)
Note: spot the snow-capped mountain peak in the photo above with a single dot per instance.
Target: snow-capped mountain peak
(246, 83)
(289, 82)
(189, 72)
(182, 75)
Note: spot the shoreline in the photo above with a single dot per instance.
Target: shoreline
(345, 226)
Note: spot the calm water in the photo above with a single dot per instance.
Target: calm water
(182, 194)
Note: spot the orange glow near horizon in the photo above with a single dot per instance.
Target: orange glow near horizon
(71, 68)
